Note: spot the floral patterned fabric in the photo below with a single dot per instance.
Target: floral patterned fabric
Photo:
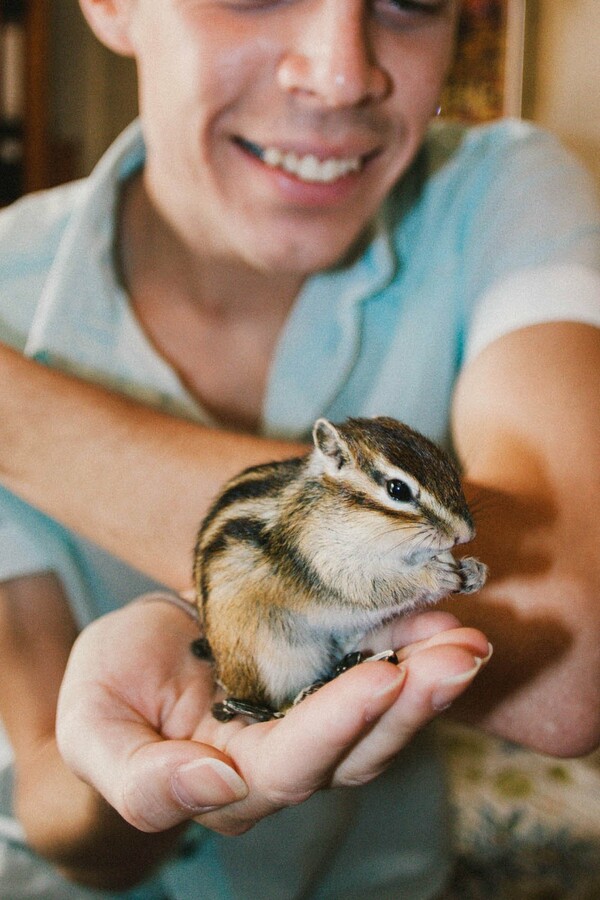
(527, 825)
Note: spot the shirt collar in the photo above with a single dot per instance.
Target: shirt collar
(321, 340)
(83, 317)
(72, 317)
(84, 323)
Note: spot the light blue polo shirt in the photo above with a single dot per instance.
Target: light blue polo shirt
(493, 229)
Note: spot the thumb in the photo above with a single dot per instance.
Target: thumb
(165, 783)
(153, 783)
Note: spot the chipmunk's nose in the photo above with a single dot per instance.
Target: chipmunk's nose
(464, 533)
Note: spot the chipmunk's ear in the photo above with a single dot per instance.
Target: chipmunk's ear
(332, 446)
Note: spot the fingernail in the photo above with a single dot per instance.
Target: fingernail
(445, 693)
(488, 656)
(207, 784)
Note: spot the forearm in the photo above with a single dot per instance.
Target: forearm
(527, 430)
(131, 479)
(64, 819)
(70, 825)
(541, 615)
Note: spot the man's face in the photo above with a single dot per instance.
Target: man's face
(276, 127)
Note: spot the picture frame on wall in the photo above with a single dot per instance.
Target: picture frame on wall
(486, 81)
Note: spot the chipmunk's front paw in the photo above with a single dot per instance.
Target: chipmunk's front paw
(472, 574)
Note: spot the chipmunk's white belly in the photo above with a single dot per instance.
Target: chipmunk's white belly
(287, 668)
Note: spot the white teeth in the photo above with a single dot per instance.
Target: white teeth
(272, 156)
(309, 168)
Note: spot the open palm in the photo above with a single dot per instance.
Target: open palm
(135, 721)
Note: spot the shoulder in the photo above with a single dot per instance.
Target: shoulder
(452, 147)
(499, 197)
(31, 231)
(506, 163)
(31, 228)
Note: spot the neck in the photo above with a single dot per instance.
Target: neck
(215, 321)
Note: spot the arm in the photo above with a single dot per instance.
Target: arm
(513, 410)
(517, 430)
(527, 430)
(95, 441)
(65, 820)
(143, 735)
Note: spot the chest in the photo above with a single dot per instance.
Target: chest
(222, 361)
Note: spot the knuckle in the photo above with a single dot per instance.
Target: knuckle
(280, 797)
(353, 776)
(228, 829)
(138, 807)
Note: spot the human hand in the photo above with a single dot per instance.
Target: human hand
(135, 722)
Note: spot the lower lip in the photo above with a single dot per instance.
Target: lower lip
(310, 195)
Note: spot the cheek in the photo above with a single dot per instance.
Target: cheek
(418, 66)
(174, 61)
(197, 81)
(216, 55)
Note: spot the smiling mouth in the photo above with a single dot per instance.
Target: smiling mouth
(306, 168)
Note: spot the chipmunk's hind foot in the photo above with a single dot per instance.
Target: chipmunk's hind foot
(227, 709)
(347, 662)
(472, 573)
(357, 656)
(233, 706)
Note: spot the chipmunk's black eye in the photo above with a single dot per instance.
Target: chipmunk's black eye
(399, 490)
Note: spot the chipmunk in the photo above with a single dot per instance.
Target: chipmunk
(297, 560)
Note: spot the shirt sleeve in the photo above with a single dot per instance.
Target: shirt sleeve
(552, 293)
(532, 240)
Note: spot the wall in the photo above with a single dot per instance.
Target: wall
(567, 74)
(93, 92)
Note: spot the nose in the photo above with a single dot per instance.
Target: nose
(330, 62)
(465, 533)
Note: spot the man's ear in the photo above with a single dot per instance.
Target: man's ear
(110, 20)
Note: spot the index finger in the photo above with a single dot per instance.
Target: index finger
(409, 629)
(285, 761)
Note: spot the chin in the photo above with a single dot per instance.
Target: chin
(318, 249)
(300, 263)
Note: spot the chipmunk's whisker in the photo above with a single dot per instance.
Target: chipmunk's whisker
(425, 539)
(384, 530)
(379, 534)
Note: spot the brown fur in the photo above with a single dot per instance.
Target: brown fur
(296, 560)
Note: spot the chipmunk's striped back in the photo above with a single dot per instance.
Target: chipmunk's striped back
(242, 513)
